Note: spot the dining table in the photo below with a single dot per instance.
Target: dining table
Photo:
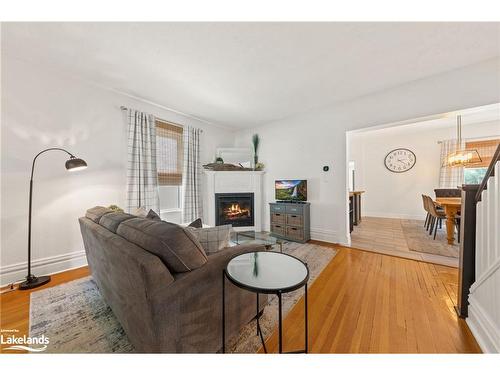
(451, 208)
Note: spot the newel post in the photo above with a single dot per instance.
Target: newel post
(467, 266)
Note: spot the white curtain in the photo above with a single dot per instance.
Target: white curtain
(450, 177)
(191, 177)
(142, 176)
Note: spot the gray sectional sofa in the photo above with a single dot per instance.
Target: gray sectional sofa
(162, 287)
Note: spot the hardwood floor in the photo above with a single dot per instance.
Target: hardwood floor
(386, 236)
(363, 302)
(15, 305)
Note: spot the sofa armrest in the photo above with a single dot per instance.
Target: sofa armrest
(188, 313)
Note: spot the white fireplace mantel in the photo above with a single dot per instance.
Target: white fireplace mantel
(232, 182)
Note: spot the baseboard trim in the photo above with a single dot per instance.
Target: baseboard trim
(386, 215)
(46, 266)
(483, 329)
(329, 236)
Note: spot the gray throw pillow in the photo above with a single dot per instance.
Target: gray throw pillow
(213, 239)
(196, 224)
(153, 215)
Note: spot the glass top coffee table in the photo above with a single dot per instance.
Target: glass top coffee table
(267, 272)
(261, 238)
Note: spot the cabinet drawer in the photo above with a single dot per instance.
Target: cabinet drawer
(295, 220)
(277, 208)
(278, 229)
(277, 218)
(294, 233)
(295, 209)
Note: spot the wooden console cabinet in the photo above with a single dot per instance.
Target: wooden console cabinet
(291, 221)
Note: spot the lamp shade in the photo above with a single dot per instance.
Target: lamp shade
(75, 164)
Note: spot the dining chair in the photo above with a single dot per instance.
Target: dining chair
(437, 215)
(428, 216)
(448, 193)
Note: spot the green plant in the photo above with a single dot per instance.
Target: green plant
(255, 142)
(259, 166)
(114, 207)
(219, 160)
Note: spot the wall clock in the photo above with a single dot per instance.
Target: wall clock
(400, 160)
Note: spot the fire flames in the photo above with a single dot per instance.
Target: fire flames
(235, 211)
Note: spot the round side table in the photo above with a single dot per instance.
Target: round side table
(267, 272)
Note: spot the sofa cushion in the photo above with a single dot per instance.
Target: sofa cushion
(179, 249)
(213, 239)
(95, 213)
(111, 220)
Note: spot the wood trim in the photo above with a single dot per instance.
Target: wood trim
(169, 179)
(485, 149)
(482, 144)
(169, 126)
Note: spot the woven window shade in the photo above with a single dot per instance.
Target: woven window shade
(486, 150)
(169, 153)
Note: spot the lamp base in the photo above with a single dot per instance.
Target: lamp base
(34, 282)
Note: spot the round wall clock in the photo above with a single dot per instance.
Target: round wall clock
(400, 160)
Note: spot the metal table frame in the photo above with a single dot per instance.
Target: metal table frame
(279, 293)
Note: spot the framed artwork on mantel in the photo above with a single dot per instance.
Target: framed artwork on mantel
(234, 155)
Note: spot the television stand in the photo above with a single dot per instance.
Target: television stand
(291, 220)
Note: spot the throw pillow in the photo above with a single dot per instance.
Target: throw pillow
(196, 224)
(153, 215)
(213, 239)
(140, 212)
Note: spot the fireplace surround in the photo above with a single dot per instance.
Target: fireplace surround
(233, 183)
(236, 209)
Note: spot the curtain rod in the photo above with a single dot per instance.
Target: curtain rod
(123, 108)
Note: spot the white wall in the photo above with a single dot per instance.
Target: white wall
(298, 147)
(40, 109)
(398, 195)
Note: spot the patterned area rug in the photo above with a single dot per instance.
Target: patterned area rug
(418, 239)
(77, 320)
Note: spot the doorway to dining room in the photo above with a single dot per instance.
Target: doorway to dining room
(407, 197)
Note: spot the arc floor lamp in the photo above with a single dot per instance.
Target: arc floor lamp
(72, 164)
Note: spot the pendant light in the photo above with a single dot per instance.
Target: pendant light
(462, 156)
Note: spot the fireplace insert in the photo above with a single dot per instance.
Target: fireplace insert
(235, 209)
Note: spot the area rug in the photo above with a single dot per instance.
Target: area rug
(76, 319)
(418, 239)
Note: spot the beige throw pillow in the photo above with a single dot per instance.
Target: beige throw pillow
(213, 239)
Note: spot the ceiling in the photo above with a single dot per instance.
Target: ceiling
(248, 74)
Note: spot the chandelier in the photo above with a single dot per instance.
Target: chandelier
(462, 156)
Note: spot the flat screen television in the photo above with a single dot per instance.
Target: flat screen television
(290, 190)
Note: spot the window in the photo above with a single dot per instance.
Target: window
(169, 153)
(486, 150)
(475, 173)
(169, 163)
(474, 176)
